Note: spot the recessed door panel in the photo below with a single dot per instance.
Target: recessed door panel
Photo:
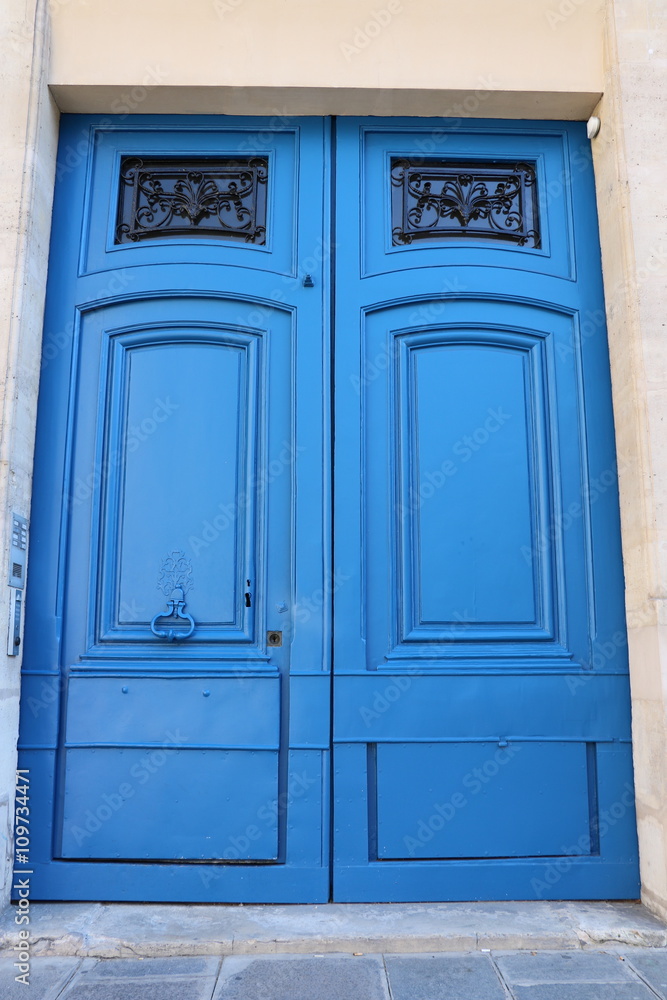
(440, 800)
(460, 398)
(472, 478)
(188, 441)
(470, 435)
(190, 412)
(157, 804)
(183, 470)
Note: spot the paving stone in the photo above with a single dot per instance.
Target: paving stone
(443, 977)
(563, 967)
(584, 991)
(141, 967)
(47, 977)
(652, 965)
(124, 988)
(331, 978)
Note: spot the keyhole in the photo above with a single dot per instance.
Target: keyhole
(248, 602)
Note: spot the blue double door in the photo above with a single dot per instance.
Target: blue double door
(325, 571)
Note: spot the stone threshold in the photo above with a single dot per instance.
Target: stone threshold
(121, 930)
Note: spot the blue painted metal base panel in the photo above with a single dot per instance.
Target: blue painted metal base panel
(596, 858)
(170, 804)
(440, 800)
(456, 882)
(302, 875)
(158, 883)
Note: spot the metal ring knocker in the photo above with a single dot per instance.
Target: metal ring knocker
(176, 609)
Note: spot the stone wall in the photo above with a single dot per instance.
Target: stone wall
(632, 202)
(27, 161)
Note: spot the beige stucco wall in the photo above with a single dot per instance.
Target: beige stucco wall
(529, 58)
(632, 201)
(505, 58)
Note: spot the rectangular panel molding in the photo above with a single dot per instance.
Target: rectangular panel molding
(470, 453)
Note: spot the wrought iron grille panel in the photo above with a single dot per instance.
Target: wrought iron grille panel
(482, 199)
(224, 199)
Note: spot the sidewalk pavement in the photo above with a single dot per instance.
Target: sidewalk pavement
(162, 930)
(612, 974)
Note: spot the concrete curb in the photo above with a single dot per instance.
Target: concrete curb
(119, 930)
